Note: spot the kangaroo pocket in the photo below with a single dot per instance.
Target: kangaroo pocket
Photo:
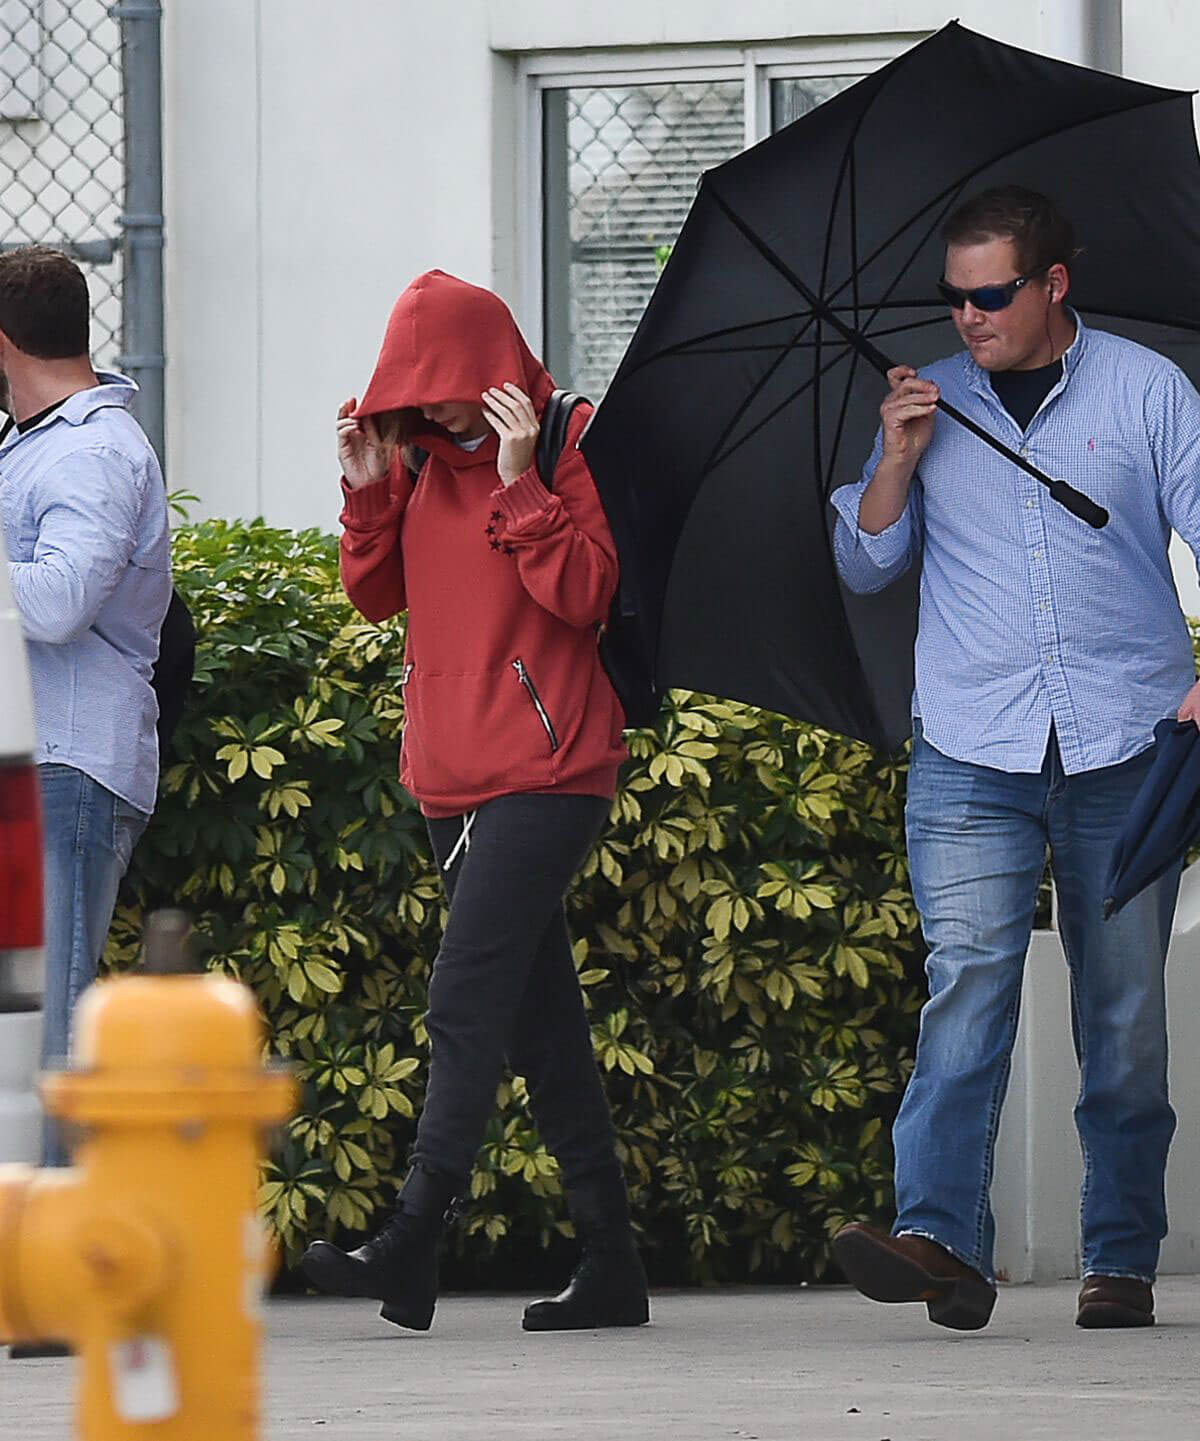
(475, 734)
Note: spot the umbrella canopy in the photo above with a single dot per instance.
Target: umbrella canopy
(1164, 820)
(751, 388)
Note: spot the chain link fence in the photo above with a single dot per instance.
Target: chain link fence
(62, 163)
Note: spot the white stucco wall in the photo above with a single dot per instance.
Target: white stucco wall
(1161, 42)
(1049, 25)
(314, 164)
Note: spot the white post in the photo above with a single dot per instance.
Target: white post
(1035, 1191)
(20, 1112)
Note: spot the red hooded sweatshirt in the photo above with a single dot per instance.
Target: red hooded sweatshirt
(504, 586)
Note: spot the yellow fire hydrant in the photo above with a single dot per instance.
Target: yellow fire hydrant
(147, 1256)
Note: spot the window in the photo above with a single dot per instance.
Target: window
(620, 170)
(792, 98)
(619, 154)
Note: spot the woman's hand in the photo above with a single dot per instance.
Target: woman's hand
(363, 456)
(511, 415)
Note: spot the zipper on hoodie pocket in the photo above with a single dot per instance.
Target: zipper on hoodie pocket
(405, 677)
(543, 714)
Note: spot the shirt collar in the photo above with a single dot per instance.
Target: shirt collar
(980, 379)
(113, 389)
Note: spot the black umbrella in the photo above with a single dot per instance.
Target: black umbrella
(750, 390)
(1164, 820)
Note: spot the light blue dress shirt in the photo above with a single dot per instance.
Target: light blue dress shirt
(1028, 616)
(85, 522)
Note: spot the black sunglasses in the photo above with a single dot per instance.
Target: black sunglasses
(987, 297)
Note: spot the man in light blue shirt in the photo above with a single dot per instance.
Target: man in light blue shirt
(1046, 652)
(85, 520)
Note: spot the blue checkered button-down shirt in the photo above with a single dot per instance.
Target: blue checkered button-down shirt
(1029, 617)
(89, 547)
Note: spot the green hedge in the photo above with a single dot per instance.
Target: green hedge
(745, 935)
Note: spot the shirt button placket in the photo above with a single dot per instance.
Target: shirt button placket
(1046, 638)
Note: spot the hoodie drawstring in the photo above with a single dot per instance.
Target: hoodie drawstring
(464, 841)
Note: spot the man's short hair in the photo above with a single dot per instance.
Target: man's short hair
(1041, 234)
(44, 305)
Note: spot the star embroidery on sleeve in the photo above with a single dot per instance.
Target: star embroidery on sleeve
(494, 543)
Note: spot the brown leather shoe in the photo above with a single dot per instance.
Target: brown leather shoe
(911, 1268)
(1108, 1301)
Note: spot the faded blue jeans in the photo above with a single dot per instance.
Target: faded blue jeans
(977, 841)
(89, 836)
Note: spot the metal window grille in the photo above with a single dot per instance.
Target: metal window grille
(621, 167)
(62, 166)
(796, 96)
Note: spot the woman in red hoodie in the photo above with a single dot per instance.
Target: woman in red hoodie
(511, 746)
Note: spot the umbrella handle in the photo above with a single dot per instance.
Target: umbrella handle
(1078, 504)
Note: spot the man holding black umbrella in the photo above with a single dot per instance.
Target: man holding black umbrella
(1046, 652)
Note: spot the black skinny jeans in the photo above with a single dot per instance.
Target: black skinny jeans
(504, 986)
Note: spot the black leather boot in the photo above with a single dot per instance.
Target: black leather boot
(399, 1264)
(608, 1285)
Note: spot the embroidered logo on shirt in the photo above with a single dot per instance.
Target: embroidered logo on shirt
(1092, 444)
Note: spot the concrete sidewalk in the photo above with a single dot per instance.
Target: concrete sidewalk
(806, 1365)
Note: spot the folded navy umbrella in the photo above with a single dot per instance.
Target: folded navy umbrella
(1164, 820)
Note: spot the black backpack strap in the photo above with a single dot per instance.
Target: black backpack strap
(174, 668)
(552, 437)
(416, 461)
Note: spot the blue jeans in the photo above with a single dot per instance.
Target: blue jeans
(977, 841)
(89, 837)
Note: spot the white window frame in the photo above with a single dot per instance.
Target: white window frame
(756, 65)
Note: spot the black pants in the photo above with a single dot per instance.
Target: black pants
(504, 986)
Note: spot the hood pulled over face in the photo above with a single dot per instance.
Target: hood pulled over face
(446, 343)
